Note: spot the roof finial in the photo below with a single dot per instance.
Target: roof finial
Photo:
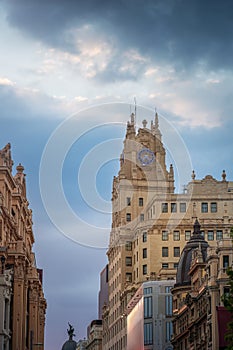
(156, 119)
(224, 175)
(135, 108)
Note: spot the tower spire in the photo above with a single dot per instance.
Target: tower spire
(156, 119)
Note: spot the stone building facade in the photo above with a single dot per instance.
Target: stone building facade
(199, 317)
(22, 301)
(151, 223)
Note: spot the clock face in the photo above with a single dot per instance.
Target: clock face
(146, 156)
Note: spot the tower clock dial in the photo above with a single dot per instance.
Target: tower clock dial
(146, 156)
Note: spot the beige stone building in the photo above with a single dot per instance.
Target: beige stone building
(94, 335)
(23, 302)
(151, 223)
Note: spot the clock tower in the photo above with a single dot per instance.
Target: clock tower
(142, 174)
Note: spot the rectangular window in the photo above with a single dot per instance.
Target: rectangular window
(128, 277)
(144, 269)
(164, 265)
(176, 251)
(168, 305)
(176, 235)
(128, 261)
(226, 291)
(147, 307)
(148, 290)
(148, 333)
(225, 261)
(213, 207)
(210, 235)
(128, 217)
(164, 207)
(187, 235)
(168, 289)
(183, 207)
(204, 207)
(140, 202)
(175, 265)
(219, 235)
(165, 252)
(128, 201)
(141, 217)
(128, 246)
(144, 237)
(173, 207)
(203, 234)
(165, 235)
(144, 253)
(169, 331)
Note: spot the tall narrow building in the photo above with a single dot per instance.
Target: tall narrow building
(151, 222)
(22, 317)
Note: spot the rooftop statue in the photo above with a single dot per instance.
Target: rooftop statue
(70, 331)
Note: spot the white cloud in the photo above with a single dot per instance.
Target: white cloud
(6, 81)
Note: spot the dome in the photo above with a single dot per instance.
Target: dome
(69, 345)
(182, 276)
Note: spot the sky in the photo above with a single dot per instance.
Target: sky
(70, 72)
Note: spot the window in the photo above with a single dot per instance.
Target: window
(128, 277)
(128, 217)
(144, 269)
(140, 202)
(187, 235)
(213, 207)
(168, 289)
(204, 207)
(176, 251)
(128, 246)
(225, 261)
(148, 333)
(203, 234)
(173, 207)
(226, 291)
(147, 307)
(148, 290)
(165, 235)
(164, 265)
(128, 201)
(219, 235)
(176, 235)
(144, 237)
(128, 261)
(165, 251)
(164, 207)
(141, 217)
(169, 331)
(168, 305)
(210, 236)
(144, 253)
(175, 265)
(183, 207)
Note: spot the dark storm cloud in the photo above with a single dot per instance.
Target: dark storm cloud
(183, 32)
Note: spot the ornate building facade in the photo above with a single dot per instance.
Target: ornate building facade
(151, 223)
(22, 302)
(200, 319)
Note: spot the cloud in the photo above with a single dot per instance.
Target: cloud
(190, 33)
(6, 81)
